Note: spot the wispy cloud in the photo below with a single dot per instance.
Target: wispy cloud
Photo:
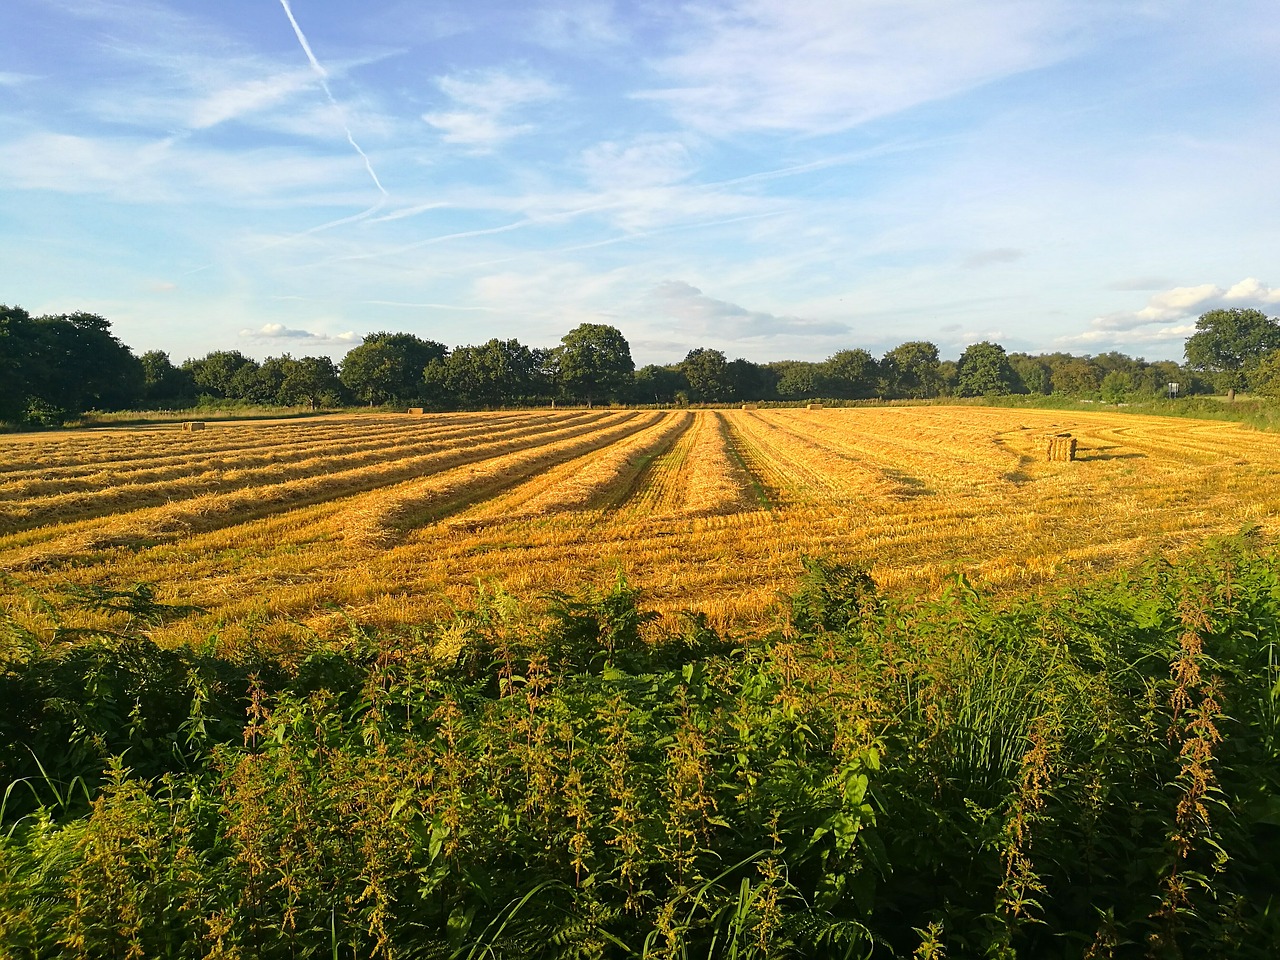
(278, 331)
(988, 258)
(484, 102)
(725, 321)
(813, 66)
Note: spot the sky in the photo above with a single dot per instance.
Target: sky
(777, 179)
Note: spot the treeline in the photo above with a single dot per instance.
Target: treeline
(1086, 774)
(54, 368)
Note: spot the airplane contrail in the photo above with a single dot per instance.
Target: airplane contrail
(324, 83)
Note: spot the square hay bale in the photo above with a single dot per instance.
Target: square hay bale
(415, 411)
(190, 426)
(1061, 447)
(813, 406)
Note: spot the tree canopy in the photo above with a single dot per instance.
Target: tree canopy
(594, 363)
(1229, 343)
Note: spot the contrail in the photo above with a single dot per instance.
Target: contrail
(324, 83)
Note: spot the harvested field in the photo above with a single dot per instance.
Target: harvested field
(283, 531)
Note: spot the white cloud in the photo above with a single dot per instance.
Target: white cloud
(575, 27)
(987, 258)
(251, 96)
(167, 171)
(816, 66)
(645, 161)
(1172, 309)
(278, 331)
(1177, 302)
(1253, 291)
(485, 100)
(727, 321)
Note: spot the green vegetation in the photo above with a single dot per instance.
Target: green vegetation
(1088, 773)
(57, 369)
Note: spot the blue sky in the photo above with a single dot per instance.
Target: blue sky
(772, 179)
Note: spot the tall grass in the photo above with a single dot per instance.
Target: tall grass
(1090, 772)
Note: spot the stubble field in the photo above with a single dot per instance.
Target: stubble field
(286, 531)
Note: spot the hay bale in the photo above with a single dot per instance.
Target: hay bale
(415, 411)
(813, 406)
(751, 406)
(190, 426)
(1061, 447)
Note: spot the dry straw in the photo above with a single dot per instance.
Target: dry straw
(1061, 447)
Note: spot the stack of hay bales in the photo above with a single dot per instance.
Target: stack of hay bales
(814, 406)
(1062, 446)
(415, 411)
(190, 426)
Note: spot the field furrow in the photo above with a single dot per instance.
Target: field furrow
(207, 512)
(802, 469)
(392, 519)
(385, 517)
(117, 494)
(596, 482)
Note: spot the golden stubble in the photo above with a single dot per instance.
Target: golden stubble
(285, 532)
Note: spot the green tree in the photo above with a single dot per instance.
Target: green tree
(1075, 376)
(1266, 376)
(215, 372)
(389, 367)
(850, 375)
(493, 374)
(798, 379)
(16, 340)
(707, 373)
(658, 384)
(911, 370)
(163, 383)
(1229, 343)
(312, 381)
(593, 363)
(983, 370)
(1033, 373)
(84, 366)
(1116, 387)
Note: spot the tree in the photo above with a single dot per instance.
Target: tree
(1116, 387)
(707, 373)
(496, 373)
(798, 379)
(1266, 376)
(594, 362)
(312, 381)
(1074, 376)
(658, 384)
(1229, 343)
(1033, 373)
(215, 372)
(84, 365)
(911, 370)
(850, 375)
(983, 370)
(16, 340)
(388, 367)
(162, 382)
